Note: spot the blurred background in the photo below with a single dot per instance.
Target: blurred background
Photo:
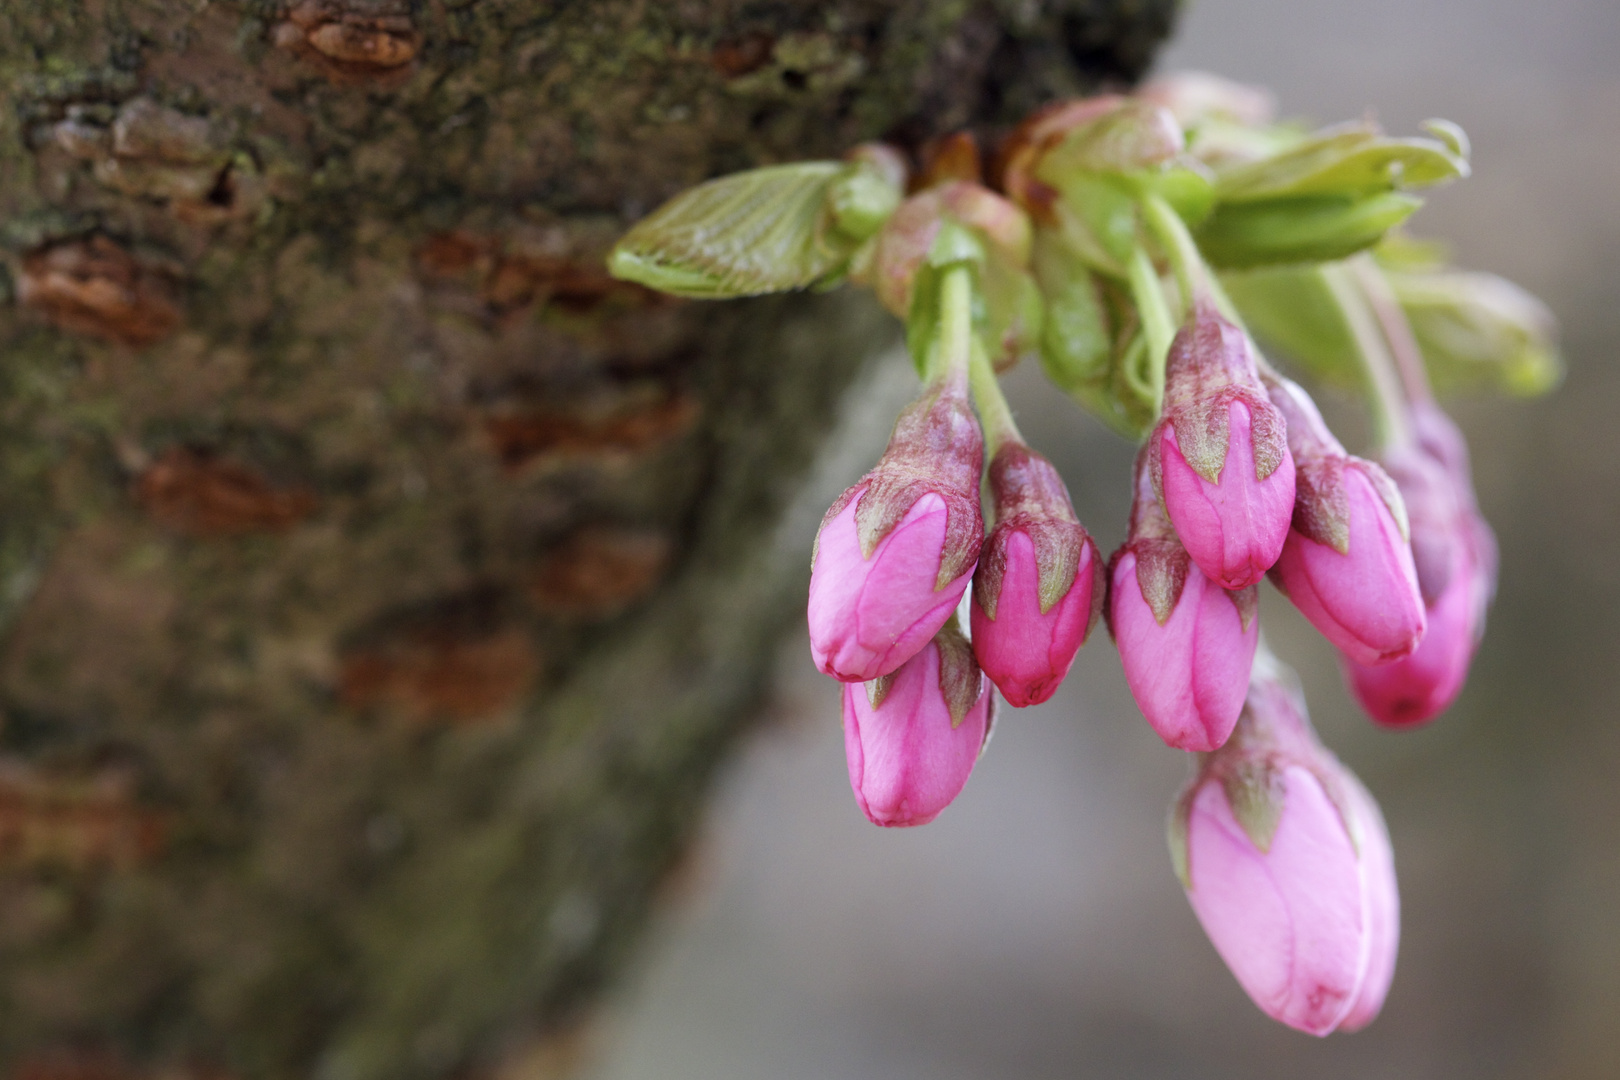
(1036, 929)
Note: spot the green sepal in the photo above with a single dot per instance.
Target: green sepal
(1075, 340)
(1256, 792)
(1299, 229)
(1293, 311)
(1176, 827)
(1097, 217)
(1349, 161)
(861, 199)
(762, 231)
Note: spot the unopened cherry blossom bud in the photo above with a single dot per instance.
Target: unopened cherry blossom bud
(1454, 554)
(1287, 865)
(1347, 564)
(1383, 905)
(1219, 455)
(1039, 586)
(912, 737)
(1186, 644)
(896, 551)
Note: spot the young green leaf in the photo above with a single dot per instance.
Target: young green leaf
(1349, 161)
(762, 231)
(1303, 229)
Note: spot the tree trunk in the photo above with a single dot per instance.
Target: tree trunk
(380, 582)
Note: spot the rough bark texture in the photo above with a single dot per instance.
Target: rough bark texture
(380, 582)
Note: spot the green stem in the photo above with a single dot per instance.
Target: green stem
(994, 412)
(1403, 345)
(1193, 276)
(1389, 409)
(1157, 325)
(955, 350)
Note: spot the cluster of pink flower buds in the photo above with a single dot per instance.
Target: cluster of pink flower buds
(957, 568)
(895, 555)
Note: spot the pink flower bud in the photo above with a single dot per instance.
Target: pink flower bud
(896, 551)
(1383, 905)
(1287, 865)
(1039, 588)
(912, 737)
(1219, 455)
(1347, 564)
(1455, 558)
(1186, 644)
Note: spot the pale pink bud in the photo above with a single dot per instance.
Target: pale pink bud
(1383, 905)
(1455, 558)
(1039, 585)
(1196, 96)
(896, 551)
(912, 737)
(1286, 868)
(1347, 564)
(1186, 644)
(1219, 455)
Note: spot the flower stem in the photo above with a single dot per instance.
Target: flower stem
(1403, 345)
(1193, 277)
(1389, 408)
(955, 350)
(1157, 325)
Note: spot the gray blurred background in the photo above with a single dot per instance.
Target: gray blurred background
(1036, 930)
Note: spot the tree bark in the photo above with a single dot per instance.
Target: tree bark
(380, 582)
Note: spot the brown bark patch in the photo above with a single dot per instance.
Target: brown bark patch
(82, 1064)
(524, 440)
(347, 44)
(460, 659)
(599, 571)
(198, 494)
(97, 633)
(508, 281)
(77, 823)
(93, 286)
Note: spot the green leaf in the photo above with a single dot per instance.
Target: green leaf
(1301, 229)
(1479, 331)
(1348, 161)
(1292, 310)
(762, 231)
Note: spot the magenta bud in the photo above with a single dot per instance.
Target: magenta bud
(896, 551)
(1383, 905)
(1348, 563)
(1287, 865)
(1455, 558)
(1039, 586)
(912, 737)
(1219, 455)
(1187, 645)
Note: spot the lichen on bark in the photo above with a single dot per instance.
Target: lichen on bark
(380, 582)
